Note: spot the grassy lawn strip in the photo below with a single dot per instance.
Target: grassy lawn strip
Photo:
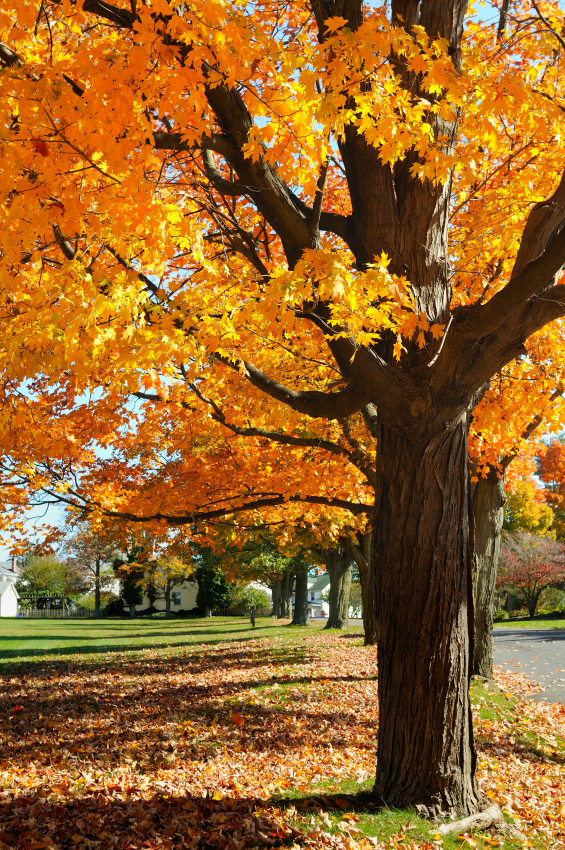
(168, 734)
(540, 621)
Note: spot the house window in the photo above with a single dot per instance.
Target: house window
(176, 598)
(312, 597)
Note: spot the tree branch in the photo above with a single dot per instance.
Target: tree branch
(528, 431)
(81, 504)
(316, 404)
(226, 187)
(540, 258)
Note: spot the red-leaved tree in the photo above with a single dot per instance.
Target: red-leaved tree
(530, 563)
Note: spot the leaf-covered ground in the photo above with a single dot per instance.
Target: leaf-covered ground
(262, 739)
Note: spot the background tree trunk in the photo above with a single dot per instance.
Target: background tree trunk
(168, 587)
(422, 566)
(301, 617)
(339, 567)
(132, 610)
(360, 551)
(276, 597)
(286, 595)
(97, 613)
(488, 510)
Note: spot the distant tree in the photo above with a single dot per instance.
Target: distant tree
(213, 589)
(49, 575)
(551, 470)
(131, 572)
(164, 574)
(89, 551)
(356, 599)
(530, 563)
(526, 509)
(339, 565)
(242, 597)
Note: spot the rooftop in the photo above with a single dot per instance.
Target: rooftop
(6, 571)
(319, 583)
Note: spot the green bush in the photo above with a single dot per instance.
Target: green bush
(242, 597)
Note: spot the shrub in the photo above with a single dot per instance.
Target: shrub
(242, 597)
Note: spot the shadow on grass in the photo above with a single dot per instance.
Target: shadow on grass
(105, 649)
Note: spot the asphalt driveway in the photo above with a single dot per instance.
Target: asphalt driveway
(538, 654)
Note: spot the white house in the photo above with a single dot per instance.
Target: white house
(8, 599)
(183, 598)
(317, 586)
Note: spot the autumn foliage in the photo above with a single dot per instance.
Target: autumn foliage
(273, 260)
(531, 563)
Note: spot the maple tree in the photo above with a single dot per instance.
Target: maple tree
(49, 575)
(164, 573)
(551, 470)
(87, 553)
(525, 508)
(248, 217)
(531, 563)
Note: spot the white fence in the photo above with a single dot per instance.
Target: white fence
(57, 613)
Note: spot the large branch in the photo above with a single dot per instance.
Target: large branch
(540, 258)
(262, 433)
(491, 353)
(86, 506)
(251, 184)
(316, 404)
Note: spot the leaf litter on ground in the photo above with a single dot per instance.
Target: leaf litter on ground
(205, 747)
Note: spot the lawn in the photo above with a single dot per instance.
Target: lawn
(210, 734)
(540, 621)
(31, 640)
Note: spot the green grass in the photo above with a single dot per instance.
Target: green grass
(95, 641)
(540, 621)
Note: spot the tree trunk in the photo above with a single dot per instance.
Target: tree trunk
(132, 610)
(97, 588)
(422, 565)
(286, 595)
(276, 590)
(168, 600)
(362, 556)
(339, 567)
(301, 617)
(488, 510)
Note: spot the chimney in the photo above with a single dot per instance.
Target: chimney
(14, 564)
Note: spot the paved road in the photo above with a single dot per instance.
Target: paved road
(538, 654)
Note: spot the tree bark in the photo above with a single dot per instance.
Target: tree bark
(276, 597)
(97, 588)
(286, 595)
(361, 553)
(488, 510)
(301, 617)
(168, 587)
(340, 568)
(422, 564)
(132, 610)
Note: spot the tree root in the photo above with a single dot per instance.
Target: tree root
(491, 817)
